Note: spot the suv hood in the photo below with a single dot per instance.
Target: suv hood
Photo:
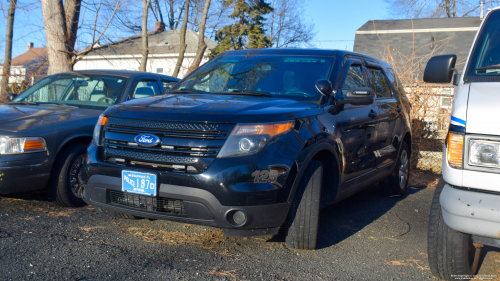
(214, 108)
(31, 120)
(483, 113)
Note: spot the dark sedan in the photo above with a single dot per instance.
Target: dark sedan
(45, 130)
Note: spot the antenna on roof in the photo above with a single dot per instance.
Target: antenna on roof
(481, 13)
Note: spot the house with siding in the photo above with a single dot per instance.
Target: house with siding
(163, 48)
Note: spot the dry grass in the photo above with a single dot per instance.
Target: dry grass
(208, 240)
(424, 178)
(411, 262)
(223, 273)
(90, 228)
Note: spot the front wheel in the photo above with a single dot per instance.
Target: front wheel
(452, 255)
(64, 184)
(303, 218)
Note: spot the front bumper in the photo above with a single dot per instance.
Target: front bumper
(24, 175)
(471, 212)
(200, 207)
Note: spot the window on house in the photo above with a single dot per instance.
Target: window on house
(159, 70)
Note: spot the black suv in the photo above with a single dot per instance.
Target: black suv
(254, 141)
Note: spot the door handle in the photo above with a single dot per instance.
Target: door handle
(372, 114)
(398, 109)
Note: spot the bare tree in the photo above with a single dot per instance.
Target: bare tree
(182, 42)
(436, 8)
(56, 32)
(8, 52)
(61, 23)
(286, 24)
(202, 46)
(144, 35)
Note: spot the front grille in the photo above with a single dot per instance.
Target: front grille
(185, 146)
(153, 204)
(162, 125)
(150, 156)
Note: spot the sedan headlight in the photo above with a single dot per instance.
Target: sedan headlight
(484, 153)
(21, 145)
(248, 139)
(98, 128)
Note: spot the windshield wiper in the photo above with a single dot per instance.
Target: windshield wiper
(244, 92)
(495, 66)
(23, 102)
(187, 91)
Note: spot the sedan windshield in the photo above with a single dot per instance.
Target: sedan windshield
(485, 60)
(291, 77)
(78, 89)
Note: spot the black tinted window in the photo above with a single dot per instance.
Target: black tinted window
(379, 83)
(355, 77)
(485, 60)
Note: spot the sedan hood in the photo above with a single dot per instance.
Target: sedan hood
(482, 110)
(214, 108)
(31, 120)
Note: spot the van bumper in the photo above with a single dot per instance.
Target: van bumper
(471, 211)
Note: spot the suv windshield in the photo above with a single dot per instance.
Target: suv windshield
(291, 77)
(485, 60)
(78, 89)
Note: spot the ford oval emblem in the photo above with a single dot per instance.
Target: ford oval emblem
(147, 140)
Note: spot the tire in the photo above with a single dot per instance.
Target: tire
(303, 217)
(64, 185)
(397, 182)
(118, 215)
(451, 253)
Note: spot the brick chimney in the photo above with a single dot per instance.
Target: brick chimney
(160, 27)
(30, 45)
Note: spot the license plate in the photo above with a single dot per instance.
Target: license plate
(140, 183)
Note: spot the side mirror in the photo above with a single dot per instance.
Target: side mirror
(324, 87)
(358, 96)
(440, 69)
(169, 86)
(11, 97)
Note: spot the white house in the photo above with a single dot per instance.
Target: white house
(163, 53)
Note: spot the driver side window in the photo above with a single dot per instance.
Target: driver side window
(355, 77)
(146, 88)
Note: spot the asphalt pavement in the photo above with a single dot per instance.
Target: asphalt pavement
(365, 237)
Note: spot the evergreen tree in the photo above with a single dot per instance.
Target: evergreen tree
(248, 30)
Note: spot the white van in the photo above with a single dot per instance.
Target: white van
(465, 213)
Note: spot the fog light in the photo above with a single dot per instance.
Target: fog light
(236, 218)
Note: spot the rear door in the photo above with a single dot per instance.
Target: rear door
(387, 103)
(359, 125)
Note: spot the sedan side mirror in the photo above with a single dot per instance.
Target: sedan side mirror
(11, 97)
(324, 87)
(440, 69)
(358, 96)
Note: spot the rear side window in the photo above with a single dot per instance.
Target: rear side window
(355, 77)
(144, 89)
(379, 82)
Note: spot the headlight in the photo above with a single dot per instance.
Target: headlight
(248, 139)
(98, 128)
(21, 145)
(484, 153)
(455, 150)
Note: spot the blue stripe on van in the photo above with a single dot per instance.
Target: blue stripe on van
(458, 120)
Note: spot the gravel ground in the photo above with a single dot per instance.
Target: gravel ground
(365, 237)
